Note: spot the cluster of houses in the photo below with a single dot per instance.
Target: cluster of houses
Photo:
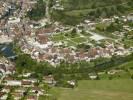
(22, 85)
(57, 5)
(25, 87)
(42, 48)
(37, 43)
(6, 67)
(4, 8)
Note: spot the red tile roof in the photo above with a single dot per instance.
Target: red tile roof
(26, 82)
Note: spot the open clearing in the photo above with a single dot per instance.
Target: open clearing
(97, 90)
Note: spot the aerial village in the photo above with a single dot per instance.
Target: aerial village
(52, 42)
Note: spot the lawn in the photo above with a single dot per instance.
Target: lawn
(129, 43)
(71, 43)
(83, 7)
(128, 65)
(79, 40)
(58, 37)
(78, 12)
(97, 90)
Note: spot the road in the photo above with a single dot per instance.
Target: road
(96, 36)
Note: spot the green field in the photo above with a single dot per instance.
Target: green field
(128, 42)
(79, 40)
(75, 11)
(97, 90)
(71, 41)
(127, 65)
(58, 37)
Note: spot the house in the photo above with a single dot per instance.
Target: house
(26, 83)
(130, 17)
(106, 20)
(37, 90)
(20, 89)
(71, 82)
(13, 83)
(93, 76)
(3, 96)
(46, 31)
(92, 53)
(32, 80)
(8, 78)
(26, 74)
(10, 70)
(49, 80)
(42, 38)
(31, 97)
(112, 72)
(2, 68)
(17, 95)
(9, 81)
(13, 20)
(6, 89)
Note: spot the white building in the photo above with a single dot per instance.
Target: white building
(13, 83)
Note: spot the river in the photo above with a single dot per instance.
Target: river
(7, 50)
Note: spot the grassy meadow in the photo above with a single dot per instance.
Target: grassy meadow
(97, 90)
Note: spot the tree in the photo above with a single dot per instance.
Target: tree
(46, 87)
(10, 97)
(73, 32)
(25, 63)
(38, 12)
(132, 76)
(1, 87)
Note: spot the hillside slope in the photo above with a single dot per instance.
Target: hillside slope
(77, 10)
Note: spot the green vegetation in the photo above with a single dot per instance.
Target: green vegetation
(68, 71)
(77, 10)
(66, 19)
(58, 37)
(97, 90)
(128, 43)
(79, 40)
(38, 12)
(128, 39)
(70, 38)
(127, 66)
(24, 63)
(108, 28)
(109, 87)
(80, 70)
(102, 88)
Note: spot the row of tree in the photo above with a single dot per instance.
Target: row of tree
(65, 70)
